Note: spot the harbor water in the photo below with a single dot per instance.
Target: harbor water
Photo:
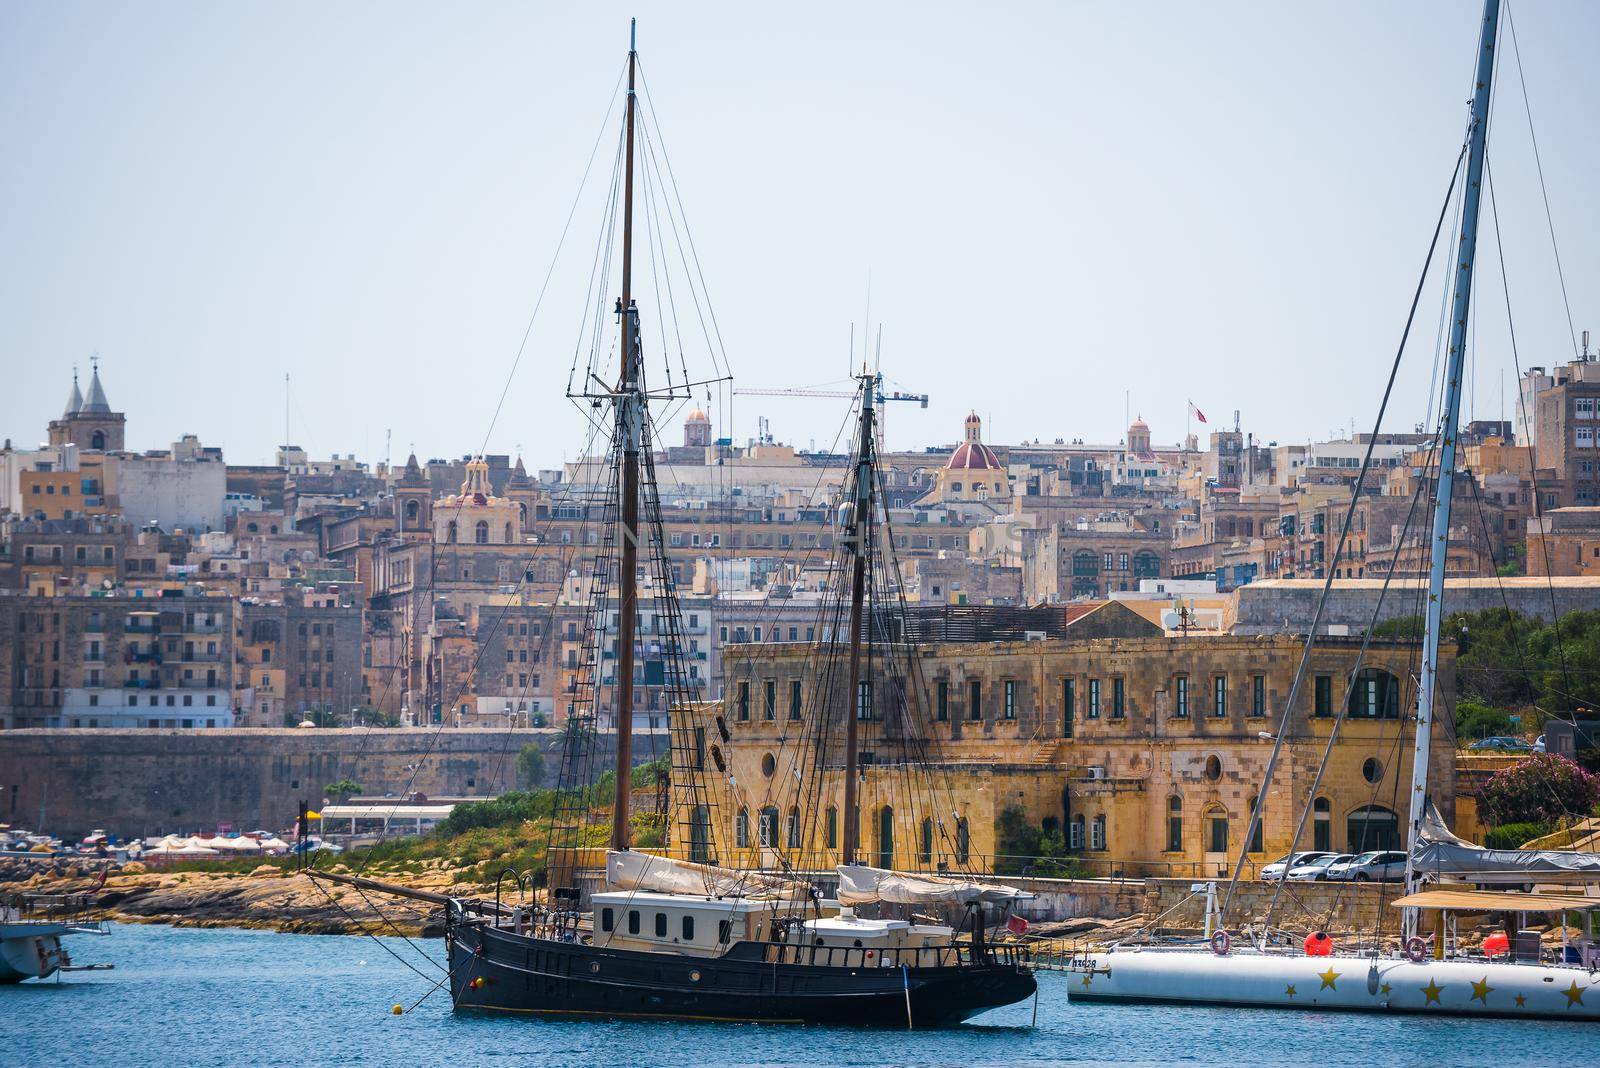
(224, 997)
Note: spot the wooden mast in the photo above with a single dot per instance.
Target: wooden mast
(629, 430)
(856, 538)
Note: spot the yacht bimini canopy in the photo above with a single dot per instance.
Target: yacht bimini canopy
(1438, 852)
(1496, 901)
(861, 885)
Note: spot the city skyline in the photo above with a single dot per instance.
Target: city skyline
(396, 292)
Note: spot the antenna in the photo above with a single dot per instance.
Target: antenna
(286, 409)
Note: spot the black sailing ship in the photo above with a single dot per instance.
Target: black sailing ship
(686, 938)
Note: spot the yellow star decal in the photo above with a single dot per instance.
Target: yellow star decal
(1327, 978)
(1481, 990)
(1573, 995)
(1431, 993)
(1384, 988)
(1520, 1000)
(1289, 991)
(1086, 977)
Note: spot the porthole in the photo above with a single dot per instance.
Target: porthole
(694, 976)
(1372, 769)
(594, 966)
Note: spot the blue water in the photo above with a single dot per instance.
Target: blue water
(252, 997)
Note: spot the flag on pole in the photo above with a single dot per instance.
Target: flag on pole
(1196, 412)
(1017, 925)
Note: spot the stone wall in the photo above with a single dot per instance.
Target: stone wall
(1342, 909)
(146, 782)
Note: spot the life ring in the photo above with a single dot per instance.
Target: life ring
(1416, 950)
(1221, 943)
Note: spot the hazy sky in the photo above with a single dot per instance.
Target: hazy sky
(1056, 204)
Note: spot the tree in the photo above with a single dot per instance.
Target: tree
(530, 766)
(1542, 788)
(343, 788)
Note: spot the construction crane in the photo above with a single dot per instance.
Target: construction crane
(920, 399)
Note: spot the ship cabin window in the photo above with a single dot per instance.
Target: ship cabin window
(724, 931)
(688, 928)
(633, 921)
(661, 925)
(608, 920)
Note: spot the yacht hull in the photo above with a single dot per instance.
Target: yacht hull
(31, 951)
(496, 970)
(1339, 983)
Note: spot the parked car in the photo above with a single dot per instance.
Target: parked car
(1376, 866)
(1538, 744)
(1502, 743)
(1276, 869)
(1316, 868)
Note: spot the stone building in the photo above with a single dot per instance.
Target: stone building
(88, 421)
(1145, 753)
(1093, 556)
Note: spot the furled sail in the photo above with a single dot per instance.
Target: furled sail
(1439, 852)
(861, 885)
(663, 875)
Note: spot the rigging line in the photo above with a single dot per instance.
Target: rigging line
(653, 207)
(599, 269)
(439, 728)
(1361, 655)
(1344, 533)
(364, 929)
(1533, 463)
(1549, 220)
(673, 181)
(551, 270)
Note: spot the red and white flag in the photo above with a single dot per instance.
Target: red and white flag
(1017, 925)
(1196, 412)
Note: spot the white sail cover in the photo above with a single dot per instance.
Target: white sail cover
(663, 875)
(1439, 852)
(861, 885)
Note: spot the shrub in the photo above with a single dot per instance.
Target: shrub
(1477, 720)
(1539, 789)
(1512, 835)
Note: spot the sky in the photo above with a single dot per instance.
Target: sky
(1064, 214)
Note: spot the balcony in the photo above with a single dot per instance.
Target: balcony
(140, 627)
(134, 656)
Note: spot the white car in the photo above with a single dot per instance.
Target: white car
(1377, 866)
(1317, 868)
(1276, 869)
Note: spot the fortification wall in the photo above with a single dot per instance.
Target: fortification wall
(146, 782)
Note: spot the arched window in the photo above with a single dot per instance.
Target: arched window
(741, 829)
(412, 511)
(700, 835)
(767, 829)
(1146, 565)
(450, 532)
(1375, 695)
(963, 841)
(481, 532)
(830, 828)
(522, 514)
(1174, 824)
(97, 441)
(1216, 829)
(1373, 827)
(792, 830)
(1321, 825)
(925, 853)
(509, 536)
(886, 837)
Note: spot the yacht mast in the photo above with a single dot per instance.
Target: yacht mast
(1440, 545)
(629, 432)
(856, 540)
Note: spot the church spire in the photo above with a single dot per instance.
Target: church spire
(96, 401)
(75, 398)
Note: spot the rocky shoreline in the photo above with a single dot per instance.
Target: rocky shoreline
(267, 898)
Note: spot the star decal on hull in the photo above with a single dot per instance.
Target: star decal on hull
(1481, 991)
(1573, 995)
(1328, 978)
(1431, 992)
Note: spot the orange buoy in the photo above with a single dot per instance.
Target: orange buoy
(1318, 944)
(1496, 944)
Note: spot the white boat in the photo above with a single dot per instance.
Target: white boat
(31, 929)
(1437, 978)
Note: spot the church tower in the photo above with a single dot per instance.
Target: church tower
(413, 500)
(88, 422)
(521, 490)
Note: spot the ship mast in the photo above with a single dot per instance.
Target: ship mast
(856, 540)
(629, 434)
(1450, 418)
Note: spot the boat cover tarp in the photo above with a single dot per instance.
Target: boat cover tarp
(861, 885)
(1495, 901)
(1439, 852)
(663, 875)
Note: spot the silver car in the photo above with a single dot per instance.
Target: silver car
(1276, 869)
(1315, 869)
(1377, 866)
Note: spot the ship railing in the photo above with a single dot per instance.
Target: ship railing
(950, 956)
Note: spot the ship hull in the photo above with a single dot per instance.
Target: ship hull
(1340, 983)
(496, 970)
(30, 951)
